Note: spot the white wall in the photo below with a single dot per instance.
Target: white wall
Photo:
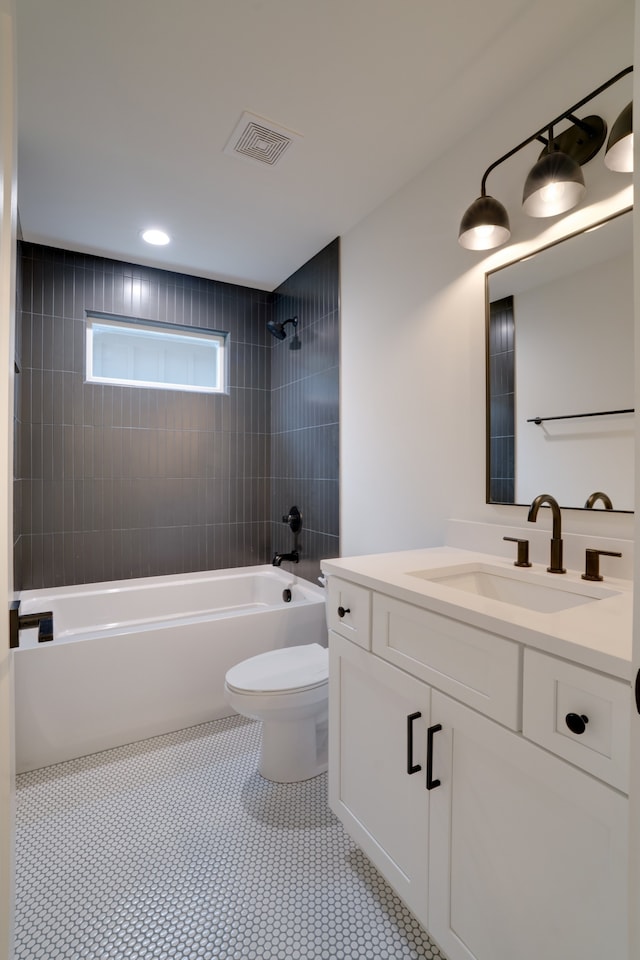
(412, 361)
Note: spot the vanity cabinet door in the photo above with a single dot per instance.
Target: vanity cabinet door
(378, 719)
(527, 853)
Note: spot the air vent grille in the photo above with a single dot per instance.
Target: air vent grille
(259, 139)
(262, 144)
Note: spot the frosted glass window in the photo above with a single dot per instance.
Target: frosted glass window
(141, 354)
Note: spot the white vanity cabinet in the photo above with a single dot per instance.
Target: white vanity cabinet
(514, 853)
(349, 611)
(527, 853)
(378, 718)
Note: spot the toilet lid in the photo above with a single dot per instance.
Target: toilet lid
(290, 668)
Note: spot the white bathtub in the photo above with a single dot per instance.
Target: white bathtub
(136, 658)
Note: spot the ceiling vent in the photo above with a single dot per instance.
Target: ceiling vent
(260, 140)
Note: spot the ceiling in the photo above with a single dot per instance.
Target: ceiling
(125, 108)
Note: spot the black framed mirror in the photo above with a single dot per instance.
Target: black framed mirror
(560, 371)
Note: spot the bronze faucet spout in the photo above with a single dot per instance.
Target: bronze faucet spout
(599, 495)
(555, 565)
(555, 511)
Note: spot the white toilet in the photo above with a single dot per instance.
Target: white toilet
(288, 689)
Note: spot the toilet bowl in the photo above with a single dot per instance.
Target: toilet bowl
(288, 691)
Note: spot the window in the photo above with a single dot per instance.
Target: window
(141, 353)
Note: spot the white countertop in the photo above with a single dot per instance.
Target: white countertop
(596, 634)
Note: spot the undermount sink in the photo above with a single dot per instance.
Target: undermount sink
(532, 591)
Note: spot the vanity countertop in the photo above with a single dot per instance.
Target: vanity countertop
(596, 634)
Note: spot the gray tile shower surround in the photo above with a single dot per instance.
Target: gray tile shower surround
(115, 482)
(175, 848)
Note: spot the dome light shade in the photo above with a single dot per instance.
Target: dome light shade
(485, 225)
(619, 155)
(555, 184)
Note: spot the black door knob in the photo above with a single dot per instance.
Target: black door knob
(576, 722)
(342, 611)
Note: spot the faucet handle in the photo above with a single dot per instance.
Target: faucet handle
(592, 563)
(294, 519)
(523, 551)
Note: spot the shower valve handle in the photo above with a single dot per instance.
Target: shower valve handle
(294, 519)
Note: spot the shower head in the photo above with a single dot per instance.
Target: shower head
(278, 329)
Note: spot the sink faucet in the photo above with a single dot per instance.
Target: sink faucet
(555, 565)
(279, 557)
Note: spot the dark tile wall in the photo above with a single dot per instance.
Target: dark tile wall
(305, 412)
(117, 482)
(501, 470)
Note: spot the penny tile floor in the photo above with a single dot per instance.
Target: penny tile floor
(175, 848)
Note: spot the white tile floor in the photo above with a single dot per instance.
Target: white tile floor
(176, 848)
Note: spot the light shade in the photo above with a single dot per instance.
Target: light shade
(485, 225)
(555, 184)
(619, 155)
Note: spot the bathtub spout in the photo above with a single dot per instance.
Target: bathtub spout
(279, 557)
(43, 621)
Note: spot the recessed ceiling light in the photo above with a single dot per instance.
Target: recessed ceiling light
(155, 236)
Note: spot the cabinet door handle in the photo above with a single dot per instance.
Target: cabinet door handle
(411, 766)
(342, 611)
(431, 783)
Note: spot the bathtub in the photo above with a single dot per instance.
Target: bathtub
(132, 659)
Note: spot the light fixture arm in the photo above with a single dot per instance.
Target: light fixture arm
(567, 115)
(588, 129)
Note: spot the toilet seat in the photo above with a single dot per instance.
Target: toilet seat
(287, 670)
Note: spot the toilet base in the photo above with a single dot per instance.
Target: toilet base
(291, 752)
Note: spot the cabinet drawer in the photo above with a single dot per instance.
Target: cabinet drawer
(479, 668)
(349, 611)
(554, 689)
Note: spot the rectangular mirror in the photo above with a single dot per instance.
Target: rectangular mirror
(560, 371)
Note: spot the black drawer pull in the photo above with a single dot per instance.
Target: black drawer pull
(431, 783)
(576, 722)
(411, 766)
(342, 611)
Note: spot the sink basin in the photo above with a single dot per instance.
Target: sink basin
(530, 590)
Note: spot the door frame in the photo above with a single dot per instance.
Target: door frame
(8, 229)
(634, 760)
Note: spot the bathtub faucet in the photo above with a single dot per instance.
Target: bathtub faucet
(17, 622)
(279, 557)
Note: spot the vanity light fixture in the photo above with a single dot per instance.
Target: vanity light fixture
(485, 224)
(555, 183)
(619, 155)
